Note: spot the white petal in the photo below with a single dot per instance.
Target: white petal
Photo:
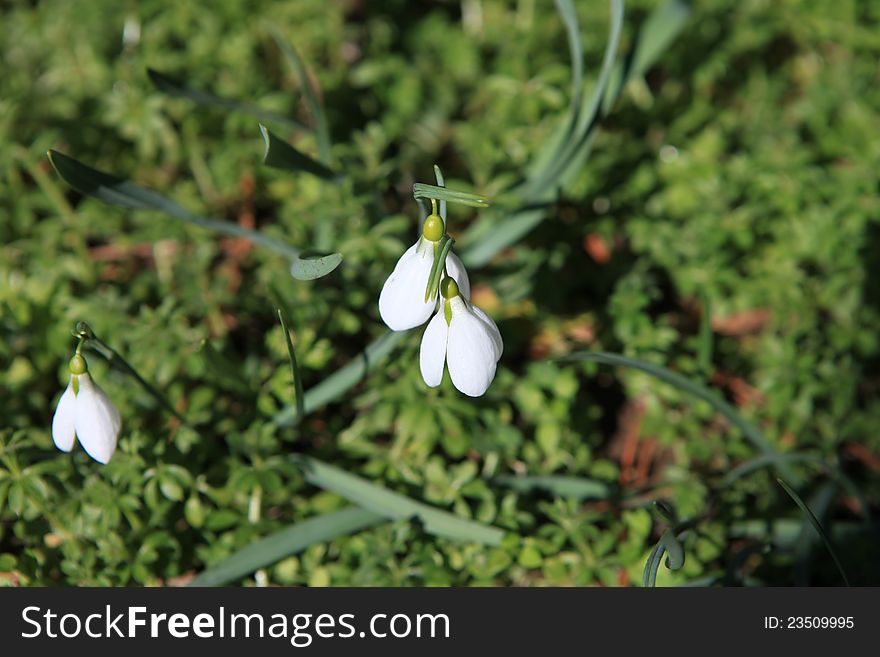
(63, 423)
(432, 355)
(470, 351)
(97, 420)
(402, 302)
(494, 333)
(456, 269)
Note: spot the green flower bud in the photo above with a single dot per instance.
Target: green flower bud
(433, 228)
(448, 288)
(78, 365)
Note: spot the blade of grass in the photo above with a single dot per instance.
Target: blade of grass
(281, 155)
(816, 525)
(180, 89)
(573, 32)
(697, 390)
(322, 133)
(286, 542)
(577, 487)
(294, 369)
(343, 379)
(395, 506)
(116, 191)
(423, 190)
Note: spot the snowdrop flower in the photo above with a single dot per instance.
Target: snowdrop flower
(463, 337)
(86, 412)
(402, 302)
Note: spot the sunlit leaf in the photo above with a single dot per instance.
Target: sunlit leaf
(286, 542)
(395, 506)
(423, 190)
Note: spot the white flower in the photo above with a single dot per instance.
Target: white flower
(402, 302)
(85, 411)
(467, 340)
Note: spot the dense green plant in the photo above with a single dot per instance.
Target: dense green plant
(719, 242)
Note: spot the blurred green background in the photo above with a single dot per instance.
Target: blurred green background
(735, 184)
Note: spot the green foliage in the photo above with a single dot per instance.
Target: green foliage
(732, 167)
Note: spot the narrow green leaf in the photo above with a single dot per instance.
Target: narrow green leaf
(322, 133)
(563, 155)
(674, 550)
(281, 155)
(294, 369)
(94, 344)
(286, 542)
(438, 266)
(441, 183)
(562, 486)
(816, 525)
(345, 378)
(180, 89)
(655, 35)
(423, 190)
(573, 33)
(695, 389)
(117, 191)
(395, 506)
(649, 574)
(765, 461)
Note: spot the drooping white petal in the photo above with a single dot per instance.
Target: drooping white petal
(63, 429)
(432, 355)
(470, 351)
(457, 271)
(402, 302)
(494, 333)
(97, 420)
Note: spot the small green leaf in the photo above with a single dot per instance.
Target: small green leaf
(307, 267)
(286, 542)
(562, 486)
(395, 506)
(281, 155)
(180, 89)
(294, 369)
(816, 525)
(423, 190)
